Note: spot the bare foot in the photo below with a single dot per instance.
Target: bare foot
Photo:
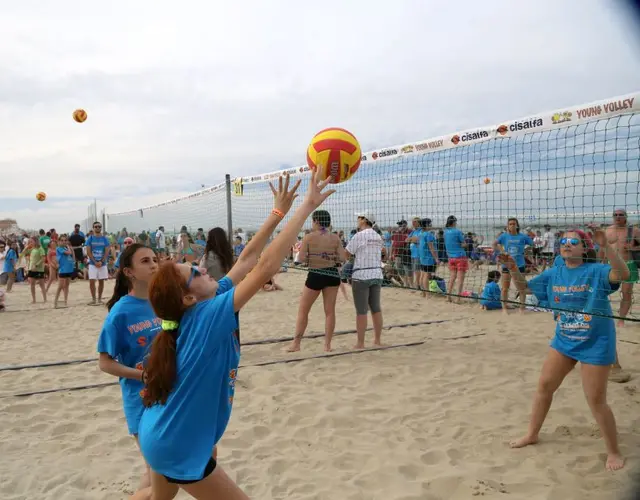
(327, 348)
(379, 344)
(522, 442)
(521, 311)
(358, 347)
(505, 311)
(620, 323)
(294, 347)
(614, 462)
(33, 301)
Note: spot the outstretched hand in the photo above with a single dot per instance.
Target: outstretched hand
(600, 236)
(283, 196)
(315, 196)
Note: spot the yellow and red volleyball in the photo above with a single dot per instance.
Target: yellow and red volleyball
(487, 180)
(337, 152)
(79, 115)
(41, 196)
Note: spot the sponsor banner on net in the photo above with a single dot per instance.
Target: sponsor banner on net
(568, 116)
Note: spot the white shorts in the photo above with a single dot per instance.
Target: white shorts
(98, 273)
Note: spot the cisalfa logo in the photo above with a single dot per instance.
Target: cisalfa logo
(503, 129)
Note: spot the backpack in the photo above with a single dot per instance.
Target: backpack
(635, 254)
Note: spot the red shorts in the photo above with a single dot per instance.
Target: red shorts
(460, 264)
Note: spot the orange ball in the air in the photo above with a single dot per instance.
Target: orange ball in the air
(79, 115)
(487, 180)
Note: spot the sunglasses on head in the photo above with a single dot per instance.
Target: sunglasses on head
(195, 273)
(574, 242)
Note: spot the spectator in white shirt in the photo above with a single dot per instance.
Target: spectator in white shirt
(367, 247)
(161, 241)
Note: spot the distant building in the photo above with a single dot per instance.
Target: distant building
(9, 226)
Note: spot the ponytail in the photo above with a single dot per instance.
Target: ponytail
(167, 292)
(161, 368)
(123, 284)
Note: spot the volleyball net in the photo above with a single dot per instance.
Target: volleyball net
(552, 171)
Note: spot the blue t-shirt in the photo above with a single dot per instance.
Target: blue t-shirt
(126, 336)
(558, 261)
(490, 297)
(177, 438)
(66, 262)
(453, 240)
(426, 259)
(117, 263)
(514, 245)
(415, 247)
(237, 249)
(98, 244)
(10, 260)
(584, 289)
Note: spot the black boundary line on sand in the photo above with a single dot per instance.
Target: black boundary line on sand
(254, 342)
(264, 363)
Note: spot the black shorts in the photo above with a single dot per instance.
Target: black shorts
(66, 275)
(211, 466)
(429, 269)
(537, 252)
(319, 279)
(505, 270)
(35, 275)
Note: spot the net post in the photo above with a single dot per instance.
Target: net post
(227, 181)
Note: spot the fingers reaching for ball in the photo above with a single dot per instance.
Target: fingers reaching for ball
(315, 194)
(283, 196)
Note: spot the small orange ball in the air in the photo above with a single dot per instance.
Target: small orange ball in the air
(79, 115)
(41, 196)
(487, 180)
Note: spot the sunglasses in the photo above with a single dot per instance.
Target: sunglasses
(97, 227)
(195, 273)
(619, 215)
(574, 242)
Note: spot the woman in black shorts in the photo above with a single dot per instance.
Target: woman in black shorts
(322, 252)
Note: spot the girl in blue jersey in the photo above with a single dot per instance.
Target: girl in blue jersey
(128, 331)
(585, 330)
(193, 364)
(66, 266)
(457, 258)
(512, 242)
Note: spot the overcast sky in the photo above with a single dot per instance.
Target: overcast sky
(179, 94)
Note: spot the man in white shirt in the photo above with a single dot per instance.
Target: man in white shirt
(161, 242)
(549, 243)
(367, 246)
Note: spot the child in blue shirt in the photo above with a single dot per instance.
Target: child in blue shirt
(585, 331)
(238, 247)
(490, 298)
(66, 268)
(9, 265)
(192, 369)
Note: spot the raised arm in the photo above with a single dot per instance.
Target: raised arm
(278, 249)
(619, 270)
(281, 205)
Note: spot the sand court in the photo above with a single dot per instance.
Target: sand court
(429, 421)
